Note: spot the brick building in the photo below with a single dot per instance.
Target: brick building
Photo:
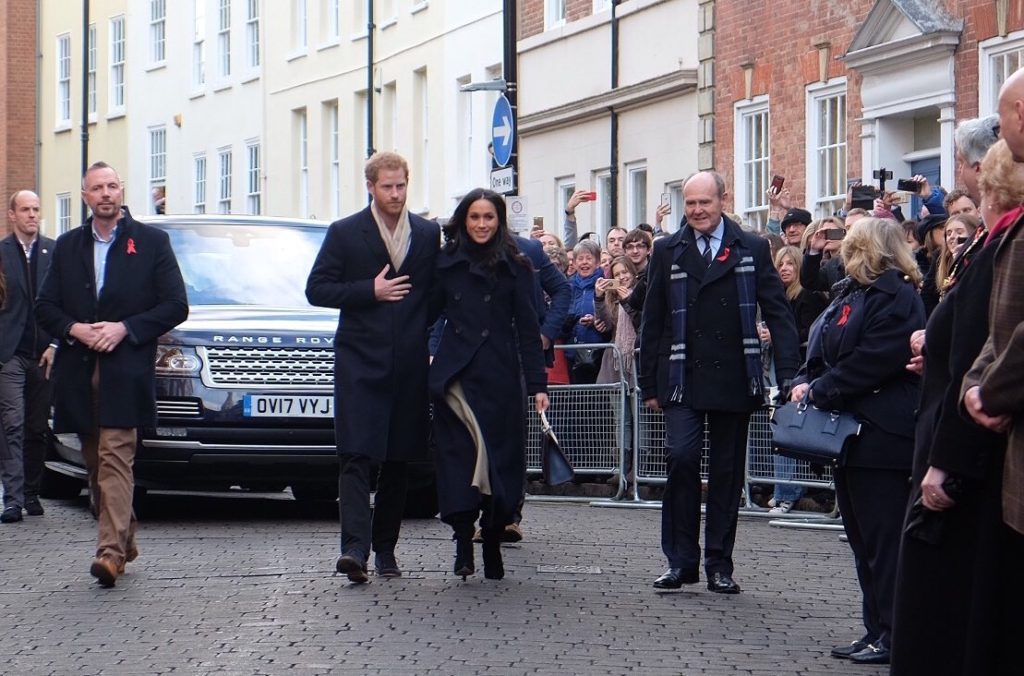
(17, 97)
(825, 92)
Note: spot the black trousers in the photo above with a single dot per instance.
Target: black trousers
(359, 528)
(680, 507)
(873, 502)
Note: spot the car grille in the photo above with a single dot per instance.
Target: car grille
(178, 408)
(271, 366)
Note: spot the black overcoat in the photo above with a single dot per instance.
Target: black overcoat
(856, 362)
(21, 293)
(380, 348)
(946, 617)
(142, 288)
(716, 371)
(491, 346)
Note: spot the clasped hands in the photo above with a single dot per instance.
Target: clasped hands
(99, 336)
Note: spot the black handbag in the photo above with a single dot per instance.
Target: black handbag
(554, 465)
(804, 432)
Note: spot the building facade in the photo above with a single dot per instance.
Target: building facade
(830, 93)
(17, 98)
(608, 101)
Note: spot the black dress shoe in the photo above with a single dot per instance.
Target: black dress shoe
(352, 567)
(34, 507)
(844, 651)
(722, 583)
(386, 565)
(674, 578)
(11, 514)
(872, 654)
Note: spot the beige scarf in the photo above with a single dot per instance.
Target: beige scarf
(455, 397)
(397, 242)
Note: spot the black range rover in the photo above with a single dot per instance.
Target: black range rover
(245, 385)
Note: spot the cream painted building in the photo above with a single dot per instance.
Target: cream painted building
(631, 143)
(61, 64)
(196, 123)
(318, 73)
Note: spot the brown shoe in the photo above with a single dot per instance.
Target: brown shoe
(512, 533)
(104, 570)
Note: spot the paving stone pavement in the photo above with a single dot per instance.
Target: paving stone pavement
(246, 586)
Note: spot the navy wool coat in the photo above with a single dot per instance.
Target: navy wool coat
(716, 371)
(857, 363)
(380, 348)
(143, 288)
(21, 293)
(491, 345)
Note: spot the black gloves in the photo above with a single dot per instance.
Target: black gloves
(785, 387)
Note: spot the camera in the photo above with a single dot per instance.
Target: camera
(908, 185)
(835, 233)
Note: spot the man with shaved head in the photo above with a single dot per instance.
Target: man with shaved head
(26, 354)
(700, 361)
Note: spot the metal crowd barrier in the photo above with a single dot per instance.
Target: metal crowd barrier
(589, 422)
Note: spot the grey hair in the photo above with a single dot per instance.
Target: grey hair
(974, 137)
(719, 181)
(587, 246)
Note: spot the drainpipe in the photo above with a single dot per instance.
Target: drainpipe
(613, 118)
(369, 78)
(85, 98)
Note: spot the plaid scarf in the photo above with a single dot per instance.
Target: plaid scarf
(746, 289)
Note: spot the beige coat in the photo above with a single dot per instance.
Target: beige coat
(999, 368)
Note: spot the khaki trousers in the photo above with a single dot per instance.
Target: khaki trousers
(109, 456)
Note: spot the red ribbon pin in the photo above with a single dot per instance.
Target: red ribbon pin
(131, 247)
(722, 257)
(844, 316)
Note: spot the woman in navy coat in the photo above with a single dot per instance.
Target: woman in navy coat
(489, 349)
(856, 358)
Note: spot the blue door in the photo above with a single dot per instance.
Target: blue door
(929, 169)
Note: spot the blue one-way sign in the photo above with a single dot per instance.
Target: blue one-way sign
(502, 131)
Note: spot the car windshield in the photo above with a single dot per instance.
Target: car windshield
(243, 264)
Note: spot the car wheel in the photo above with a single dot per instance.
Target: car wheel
(60, 486)
(315, 492)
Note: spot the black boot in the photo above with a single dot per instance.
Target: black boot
(494, 568)
(463, 536)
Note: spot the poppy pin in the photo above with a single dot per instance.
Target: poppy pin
(844, 316)
(131, 247)
(724, 256)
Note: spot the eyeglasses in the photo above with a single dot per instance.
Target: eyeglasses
(635, 246)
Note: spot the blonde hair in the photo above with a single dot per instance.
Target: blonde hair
(827, 222)
(1001, 182)
(875, 246)
(945, 263)
(793, 254)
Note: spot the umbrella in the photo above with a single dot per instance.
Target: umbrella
(554, 465)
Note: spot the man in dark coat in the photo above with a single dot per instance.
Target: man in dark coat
(700, 359)
(376, 266)
(112, 289)
(26, 357)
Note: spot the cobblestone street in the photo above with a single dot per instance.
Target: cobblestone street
(246, 586)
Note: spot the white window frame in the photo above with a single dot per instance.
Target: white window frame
(601, 5)
(565, 186)
(421, 93)
(554, 13)
(675, 191)
(601, 180)
(199, 44)
(224, 180)
(332, 10)
(464, 134)
(91, 86)
(820, 204)
(636, 197)
(199, 183)
(302, 145)
(300, 29)
(335, 158)
(63, 212)
(988, 52)
(389, 114)
(116, 81)
(157, 32)
(750, 198)
(224, 38)
(254, 192)
(157, 156)
(252, 34)
(63, 111)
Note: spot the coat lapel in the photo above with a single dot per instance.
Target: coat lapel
(727, 257)
(85, 254)
(14, 274)
(684, 254)
(371, 235)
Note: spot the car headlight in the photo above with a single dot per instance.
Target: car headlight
(176, 360)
